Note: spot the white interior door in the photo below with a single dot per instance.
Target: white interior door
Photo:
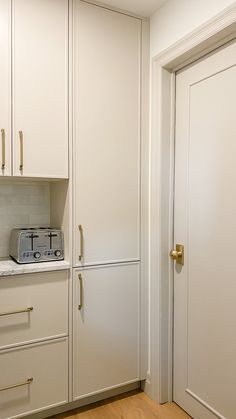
(205, 208)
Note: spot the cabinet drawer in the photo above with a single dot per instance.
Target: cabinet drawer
(42, 372)
(33, 307)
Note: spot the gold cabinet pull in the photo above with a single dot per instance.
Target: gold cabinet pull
(178, 254)
(80, 305)
(81, 255)
(24, 310)
(21, 150)
(3, 149)
(24, 383)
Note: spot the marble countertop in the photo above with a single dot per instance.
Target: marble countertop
(9, 267)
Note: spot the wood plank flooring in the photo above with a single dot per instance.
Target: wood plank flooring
(132, 405)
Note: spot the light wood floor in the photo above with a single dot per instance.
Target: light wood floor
(133, 405)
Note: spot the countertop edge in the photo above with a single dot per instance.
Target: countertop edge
(9, 267)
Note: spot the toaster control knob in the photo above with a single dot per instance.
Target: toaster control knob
(57, 253)
(37, 255)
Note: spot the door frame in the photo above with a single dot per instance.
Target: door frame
(206, 38)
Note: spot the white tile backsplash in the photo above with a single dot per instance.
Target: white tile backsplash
(22, 204)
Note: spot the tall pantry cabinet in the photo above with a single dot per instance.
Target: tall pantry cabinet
(106, 135)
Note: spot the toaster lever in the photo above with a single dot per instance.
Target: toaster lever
(32, 237)
(50, 237)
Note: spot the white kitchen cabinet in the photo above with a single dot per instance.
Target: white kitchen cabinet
(5, 88)
(42, 372)
(40, 88)
(106, 328)
(33, 307)
(106, 135)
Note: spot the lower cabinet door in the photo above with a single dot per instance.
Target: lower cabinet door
(106, 328)
(33, 378)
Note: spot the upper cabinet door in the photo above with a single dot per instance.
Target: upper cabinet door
(5, 88)
(106, 135)
(40, 88)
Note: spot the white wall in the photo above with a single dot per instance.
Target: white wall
(177, 18)
(24, 204)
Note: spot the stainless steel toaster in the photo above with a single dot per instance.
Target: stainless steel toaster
(39, 244)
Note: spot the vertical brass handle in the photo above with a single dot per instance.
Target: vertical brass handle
(24, 383)
(81, 255)
(3, 149)
(80, 305)
(21, 150)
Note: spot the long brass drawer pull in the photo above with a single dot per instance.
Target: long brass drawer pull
(80, 292)
(21, 150)
(3, 149)
(81, 256)
(24, 310)
(25, 383)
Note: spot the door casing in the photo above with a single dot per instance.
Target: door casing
(202, 41)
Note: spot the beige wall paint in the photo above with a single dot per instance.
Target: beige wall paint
(177, 18)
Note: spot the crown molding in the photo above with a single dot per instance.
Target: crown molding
(218, 30)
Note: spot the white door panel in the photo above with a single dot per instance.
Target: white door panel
(40, 87)
(205, 206)
(5, 87)
(106, 328)
(106, 134)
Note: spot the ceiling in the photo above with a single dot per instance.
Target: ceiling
(138, 7)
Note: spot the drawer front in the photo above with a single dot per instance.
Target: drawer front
(33, 307)
(41, 371)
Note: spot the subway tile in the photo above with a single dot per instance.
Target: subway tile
(25, 204)
(39, 220)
